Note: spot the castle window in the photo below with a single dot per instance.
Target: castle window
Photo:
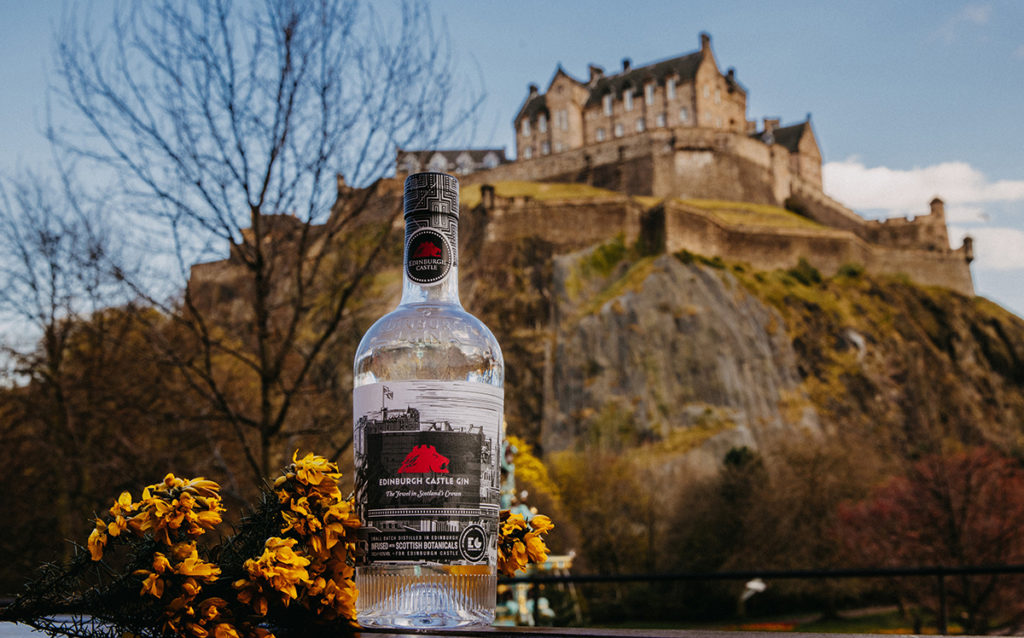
(526, 128)
(607, 102)
(600, 135)
(491, 160)
(545, 148)
(618, 130)
(718, 122)
(640, 125)
(707, 91)
(559, 147)
(562, 119)
(528, 152)
(649, 94)
(718, 96)
(670, 88)
(684, 114)
(660, 120)
(438, 163)
(411, 165)
(627, 99)
(542, 123)
(464, 164)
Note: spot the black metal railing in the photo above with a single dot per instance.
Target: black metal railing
(939, 572)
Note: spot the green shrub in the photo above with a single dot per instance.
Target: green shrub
(805, 273)
(850, 270)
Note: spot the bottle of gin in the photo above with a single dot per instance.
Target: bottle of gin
(427, 412)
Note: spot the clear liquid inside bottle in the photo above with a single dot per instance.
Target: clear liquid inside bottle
(428, 337)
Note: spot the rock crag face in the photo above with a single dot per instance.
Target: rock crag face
(667, 346)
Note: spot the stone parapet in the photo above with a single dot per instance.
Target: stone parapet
(827, 249)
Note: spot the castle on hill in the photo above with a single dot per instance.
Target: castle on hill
(677, 130)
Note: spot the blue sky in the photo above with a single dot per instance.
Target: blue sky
(908, 99)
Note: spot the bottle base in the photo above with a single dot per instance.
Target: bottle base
(425, 596)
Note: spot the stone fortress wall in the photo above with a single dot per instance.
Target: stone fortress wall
(673, 225)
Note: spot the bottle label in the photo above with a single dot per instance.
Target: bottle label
(427, 477)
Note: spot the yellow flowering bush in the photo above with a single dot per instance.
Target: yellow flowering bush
(322, 525)
(311, 561)
(290, 566)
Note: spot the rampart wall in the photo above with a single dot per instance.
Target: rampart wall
(674, 226)
(569, 224)
(827, 249)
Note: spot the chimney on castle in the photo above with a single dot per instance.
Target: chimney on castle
(938, 208)
(596, 73)
(626, 64)
(968, 247)
(487, 196)
(705, 41)
(533, 90)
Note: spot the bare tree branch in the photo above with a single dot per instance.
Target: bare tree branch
(228, 126)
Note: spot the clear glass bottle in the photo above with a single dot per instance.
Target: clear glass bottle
(427, 411)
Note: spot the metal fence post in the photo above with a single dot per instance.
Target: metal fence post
(942, 604)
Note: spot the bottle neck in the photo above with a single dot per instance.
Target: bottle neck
(430, 272)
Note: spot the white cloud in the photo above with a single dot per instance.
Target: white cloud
(901, 193)
(994, 248)
(972, 14)
(976, 13)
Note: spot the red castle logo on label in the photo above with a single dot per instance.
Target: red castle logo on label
(427, 249)
(424, 459)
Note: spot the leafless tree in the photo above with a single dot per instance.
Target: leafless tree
(230, 126)
(52, 283)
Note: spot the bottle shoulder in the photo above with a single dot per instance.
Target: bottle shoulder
(427, 323)
(429, 340)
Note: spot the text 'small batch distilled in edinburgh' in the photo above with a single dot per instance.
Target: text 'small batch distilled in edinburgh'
(427, 411)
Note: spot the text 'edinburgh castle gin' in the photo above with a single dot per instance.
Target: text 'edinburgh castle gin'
(427, 411)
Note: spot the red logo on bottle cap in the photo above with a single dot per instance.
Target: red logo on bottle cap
(427, 249)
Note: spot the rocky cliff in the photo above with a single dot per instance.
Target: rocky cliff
(611, 348)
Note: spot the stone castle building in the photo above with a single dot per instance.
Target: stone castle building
(678, 129)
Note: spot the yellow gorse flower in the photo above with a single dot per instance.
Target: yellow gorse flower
(278, 571)
(172, 510)
(97, 539)
(520, 542)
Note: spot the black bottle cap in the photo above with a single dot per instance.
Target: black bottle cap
(431, 193)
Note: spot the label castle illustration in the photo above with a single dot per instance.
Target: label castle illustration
(428, 483)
